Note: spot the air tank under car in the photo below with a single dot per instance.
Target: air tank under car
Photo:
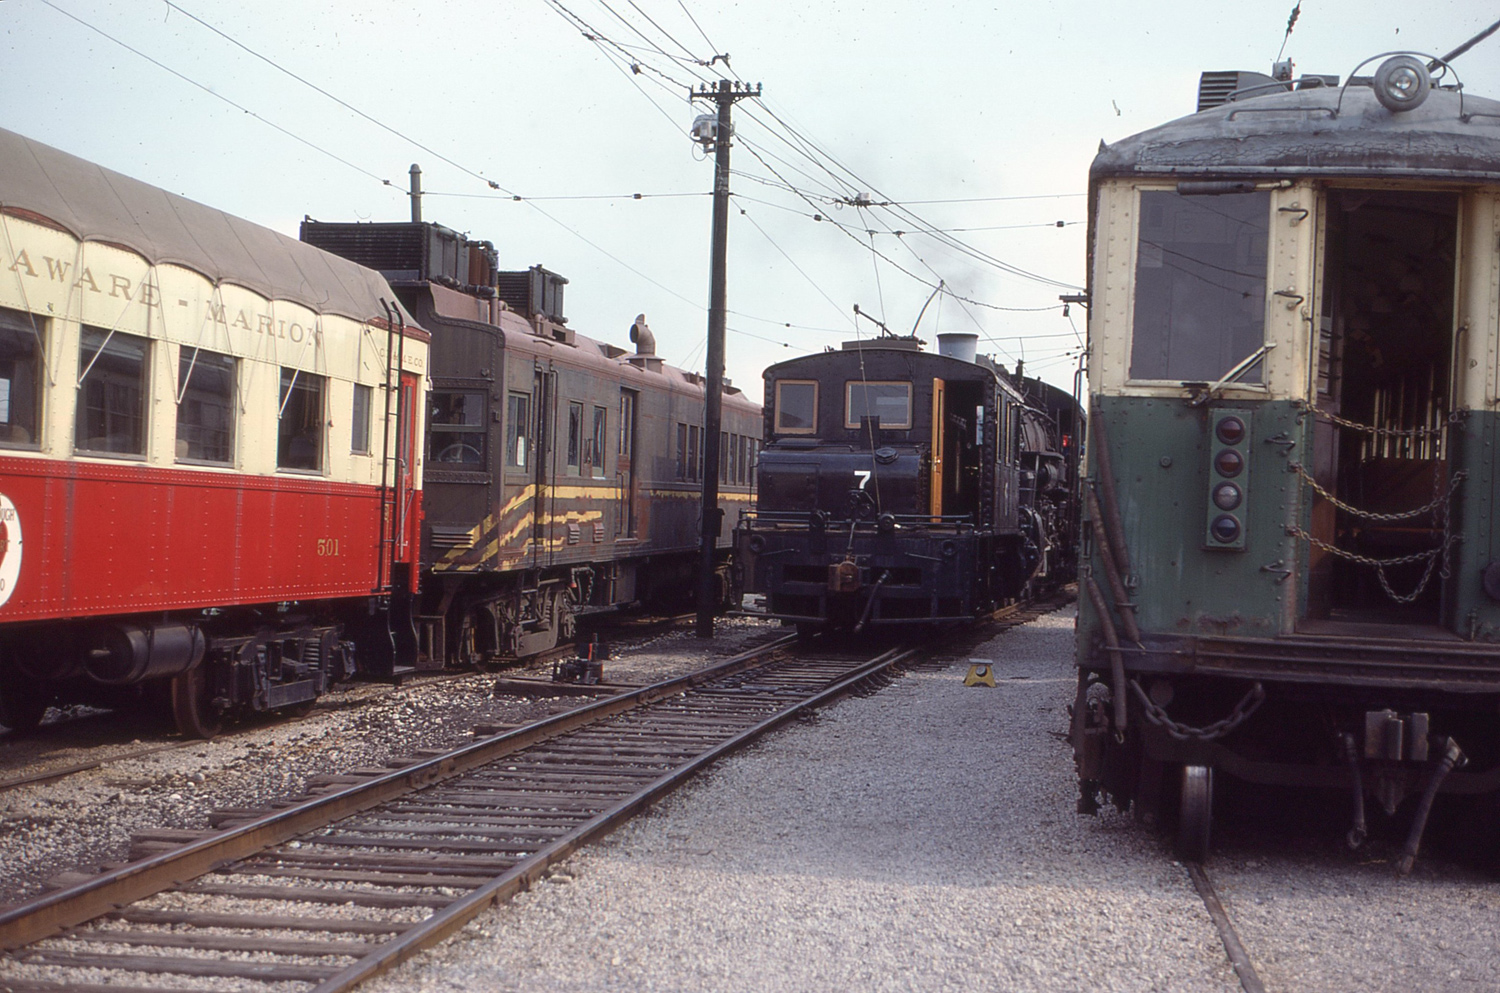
(901, 487)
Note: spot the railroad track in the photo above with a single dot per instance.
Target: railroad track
(399, 859)
(382, 863)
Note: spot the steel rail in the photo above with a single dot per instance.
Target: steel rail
(1239, 959)
(51, 913)
(448, 920)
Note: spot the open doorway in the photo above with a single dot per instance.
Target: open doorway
(1385, 372)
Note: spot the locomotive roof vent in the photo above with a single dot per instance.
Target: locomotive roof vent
(537, 293)
(1218, 88)
(905, 343)
(645, 346)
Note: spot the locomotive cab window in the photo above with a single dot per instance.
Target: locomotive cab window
(888, 403)
(112, 372)
(205, 406)
(20, 396)
(299, 435)
(796, 406)
(456, 427)
(1200, 286)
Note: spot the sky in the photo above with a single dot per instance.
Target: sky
(968, 127)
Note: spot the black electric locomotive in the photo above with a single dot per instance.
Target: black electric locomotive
(898, 486)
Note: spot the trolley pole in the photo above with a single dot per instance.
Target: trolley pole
(725, 94)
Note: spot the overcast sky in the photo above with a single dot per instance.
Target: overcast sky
(995, 107)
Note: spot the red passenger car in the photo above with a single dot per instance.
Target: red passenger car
(210, 458)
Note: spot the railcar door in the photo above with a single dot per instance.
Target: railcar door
(624, 466)
(407, 438)
(1381, 529)
(939, 442)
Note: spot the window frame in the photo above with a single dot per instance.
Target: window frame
(574, 450)
(518, 432)
(599, 443)
(849, 386)
(287, 389)
(86, 367)
(27, 325)
(816, 396)
(356, 422)
(439, 432)
(1127, 357)
(192, 357)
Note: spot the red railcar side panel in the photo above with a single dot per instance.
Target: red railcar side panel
(88, 539)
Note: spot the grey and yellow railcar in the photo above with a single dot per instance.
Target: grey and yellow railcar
(1292, 565)
(564, 474)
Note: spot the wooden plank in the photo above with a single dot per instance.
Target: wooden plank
(439, 846)
(251, 922)
(220, 942)
(362, 876)
(42, 986)
(265, 971)
(359, 860)
(317, 894)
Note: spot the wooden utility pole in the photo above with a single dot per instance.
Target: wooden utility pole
(725, 94)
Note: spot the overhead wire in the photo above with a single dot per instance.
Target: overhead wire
(219, 96)
(336, 99)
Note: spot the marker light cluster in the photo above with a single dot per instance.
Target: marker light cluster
(1228, 478)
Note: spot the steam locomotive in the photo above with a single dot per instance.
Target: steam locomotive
(902, 487)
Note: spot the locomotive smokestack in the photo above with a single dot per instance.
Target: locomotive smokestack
(961, 345)
(645, 341)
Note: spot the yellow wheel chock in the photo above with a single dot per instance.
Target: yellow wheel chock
(981, 673)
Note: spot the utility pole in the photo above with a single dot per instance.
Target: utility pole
(716, 134)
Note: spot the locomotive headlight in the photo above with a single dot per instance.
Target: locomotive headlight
(1225, 528)
(1229, 462)
(1227, 496)
(1402, 83)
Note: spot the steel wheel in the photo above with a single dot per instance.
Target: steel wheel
(193, 705)
(1195, 816)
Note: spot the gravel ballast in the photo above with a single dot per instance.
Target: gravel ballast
(920, 838)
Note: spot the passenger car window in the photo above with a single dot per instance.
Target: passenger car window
(796, 406)
(359, 432)
(20, 397)
(890, 402)
(1200, 285)
(299, 436)
(111, 393)
(456, 424)
(205, 405)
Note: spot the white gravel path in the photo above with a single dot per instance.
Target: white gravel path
(923, 838)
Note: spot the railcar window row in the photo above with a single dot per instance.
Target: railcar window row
(736, 455)
(114, 391)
